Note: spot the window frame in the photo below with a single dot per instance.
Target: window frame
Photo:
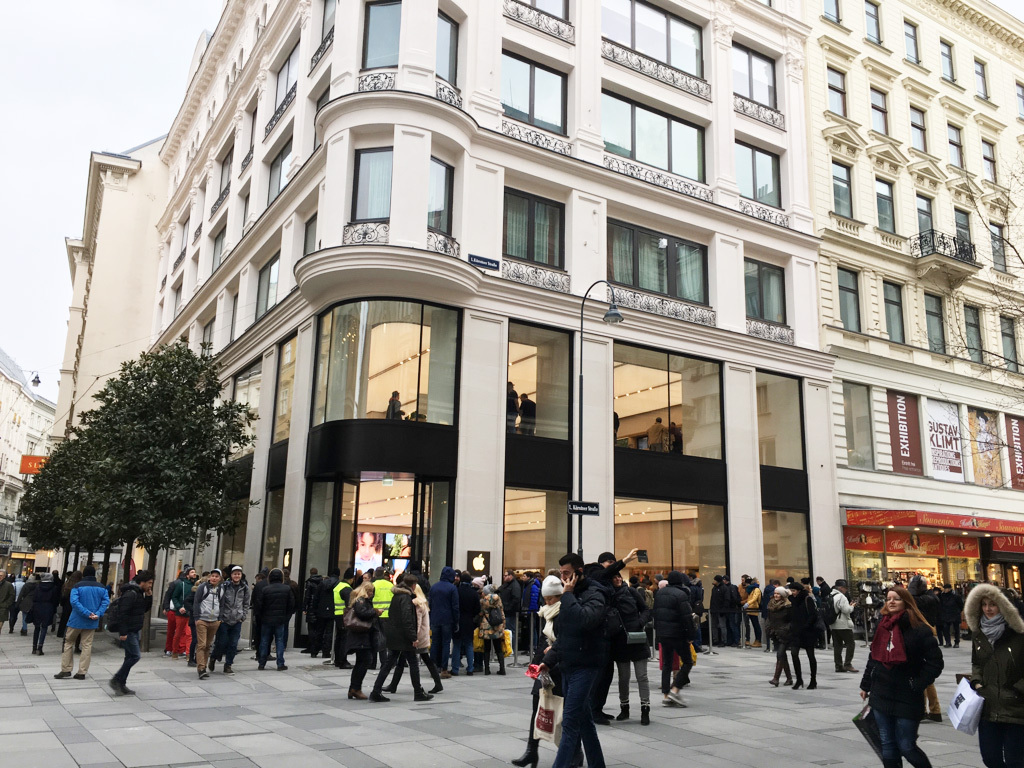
(225, 170)
(837, 18)
(918, 129)
(284, 153)
(531, 224)
(290, 62)
(449, 181)
(320, 103)
(751, 54)
(761, 268)
(207, 335)
(988, 161)
(217, 252)
(846, 291)
(981, 80)
(996, 235)
(366, 35)
(838, 90)
(890, 199)
(359, 153)
(962, 225)
(872, 19)
(849, 190)
(879, 111)
(956, 145)
(897, 305)
(324, 29)
(533, 93)
(776, 171)
(930, 210)
(310, 223)
(1020, 100)
(1011, 361)
(633, 105)
(911, 42)
(972, 323)
(936, 315)
(669, 18)
(453, 50)
(673, 242)
(263, 292)
(947, 61)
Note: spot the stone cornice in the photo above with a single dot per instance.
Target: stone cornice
(974, 13)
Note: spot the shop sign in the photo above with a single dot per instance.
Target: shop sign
(913, 543)
(1015, 442)
(963, 546)
(932, 520)
(863, 539)
(881, 517)
(30, 465)
(1008, 544)
(983, 432)
(944, 440)
(905, 434)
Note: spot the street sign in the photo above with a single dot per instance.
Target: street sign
(483, 262)
(584, 508)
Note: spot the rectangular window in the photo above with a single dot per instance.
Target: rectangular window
(753, 76)
(831, 11)
(885, 206)
(536, 527)
(765, 287)
(849, 300)
(330, 8)
(225, 170)
(924, 214)
(558, 8)
(656, 262)
(532, 93)
(446, 61)
(252, 128)
(652, 138)
(1008, 333)
(972, 326)
(439, 197)
(320, 104)
(207, 344)
(998, 246)
(372, 198)
(266, 292)
(980, 79)
(245, 212)
(836, 92)
(893, 296)
(962, 220)
(842, 199)
(918, 130)
(988, 160)
(177, 299)
(679, 536)
(934, 324)
(533, 229)
(654, 33)
(879, 112)
(234, 317)
(1020, 101)
(309, 236)
(910, 38)
(270, 552)
(248, 385)
(956, 146)
(285, 388)
(218, 249)
(380, 37)
(857, 409)
(278, 170)
(872, 24)
(946, 55)
(540, 369)
(779, 421)
(287, 75)
(757, 172)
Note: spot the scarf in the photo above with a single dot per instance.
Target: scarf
(993, 628)
(887, 647)
(548, 613)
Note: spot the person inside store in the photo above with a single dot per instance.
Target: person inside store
(395, 411)
(527, 415)
(657, 437)
(511, 407)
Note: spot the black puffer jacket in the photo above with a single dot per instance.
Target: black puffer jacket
(324, 599)
(927, 603)
(136, 605)
(803, 620)
(950, 607)
(469, 608)
(362, 608)
(635, 615)
(309, 594)
(579, 635)
(275, 603)
(899, 691)
(673, 614)
(44, 604)
(400, 625)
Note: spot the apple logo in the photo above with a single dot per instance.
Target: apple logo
(479, 563)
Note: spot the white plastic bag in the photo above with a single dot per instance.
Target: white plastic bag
(548, 723)
(965, 708)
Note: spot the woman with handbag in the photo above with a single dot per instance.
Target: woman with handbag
(492, 628)
(905, 659)
(419, 602)
(997, 674)
(360, 635)
(630, 648)
(779, 609)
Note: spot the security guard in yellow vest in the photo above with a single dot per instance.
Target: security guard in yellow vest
(341, 592)
(382, 594)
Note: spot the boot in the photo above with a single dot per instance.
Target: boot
(422, 695)
(531, 756)
(813, 684)
(799, 674)
(892, 762)
(354, 694)
(778, 671)
(645, 714)
(501, 663)
(623, 712)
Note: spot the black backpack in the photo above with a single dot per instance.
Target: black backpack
(612, 625)
(829, 614)
(495, 617)
(114, 616)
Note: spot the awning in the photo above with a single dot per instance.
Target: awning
(910, 517)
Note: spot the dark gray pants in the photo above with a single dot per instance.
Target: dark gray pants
(842, 638)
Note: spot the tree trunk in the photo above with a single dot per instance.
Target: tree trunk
(67, 557)
(106, 563)
(151, 567)
(78, 555)
(126, 562)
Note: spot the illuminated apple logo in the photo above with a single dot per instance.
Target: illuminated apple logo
(479, 563)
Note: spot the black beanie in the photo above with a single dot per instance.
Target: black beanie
(675, 578)
(89, 572)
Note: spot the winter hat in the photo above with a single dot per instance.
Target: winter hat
(46, 577)
(633, 581)
(675, 578)
(605, 556)
(781, 592)
(237, 568)
(218, 571)
(552, 587)
(489, 589)
(89, 572)
(662, 584)
(479, 582)
(840, 583)
(718, 579)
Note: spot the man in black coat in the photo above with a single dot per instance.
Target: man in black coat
(469, 609)
(313, 624)
(275, 605)
(400, 633)
(719, 611)
(951, 605)
(732, 609)
(928, 604)
(137, 597)
(673, 626)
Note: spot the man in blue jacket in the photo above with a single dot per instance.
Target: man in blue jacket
(443, 600)
(89, 601)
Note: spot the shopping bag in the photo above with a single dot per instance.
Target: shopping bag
(508, 643)
(675, 660)
(548, 723)
(965, 709)
(865, 722)
(478, 642)
(693, 654)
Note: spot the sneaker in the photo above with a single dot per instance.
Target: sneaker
(282, 668)
(374, 696)
(228, 670)
(677, 698)
(167, 653)
(436, 689)
(262, 667)
(212, 665)
(192, 664)
(203, 674)
(756, 644)
(79, 676)
(63, 675)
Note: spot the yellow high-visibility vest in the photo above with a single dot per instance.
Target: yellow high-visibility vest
(340, 600)
(382, 594)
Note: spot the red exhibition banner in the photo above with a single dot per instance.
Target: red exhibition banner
(1015, 444)
(962, 546)
(1008, 544)
(863, 539)
(905, 434)
(913, 543)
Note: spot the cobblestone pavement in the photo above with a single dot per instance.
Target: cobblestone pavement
(301, 717)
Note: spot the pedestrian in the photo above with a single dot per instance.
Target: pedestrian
(599, 693)
(803, 632)
(997, 674)
(779, 610)
(527, 415)
(8, 595)
(511, 594)
(359, 636)
(733, 609)
(320, 615)
(190, 599)
(275, 605)
(511, 407)
(44, 606)
(696, 590)
(532, 601)
(842, 627)
(234, 607)
(673, 626)
(422, 607)
(88, 600)
(928, 605)
(382, 594)
(134, 601)
(340, 603)
(400, 636)
(766, 598)
(719, 611)
(256, 631)
(208, 609)
(315, 629)
(65, 601)
(905, 659)
(751, 609)
(492, 628)
(469, 609)
(443, 602)
(26, 599)
(177, 614)
(629, 648)
(951, 605)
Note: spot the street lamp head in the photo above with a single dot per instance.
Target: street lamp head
(613, 316)
(36, 380)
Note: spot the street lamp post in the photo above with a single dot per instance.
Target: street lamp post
(612, 317)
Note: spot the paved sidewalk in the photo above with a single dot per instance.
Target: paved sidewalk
(302, 718)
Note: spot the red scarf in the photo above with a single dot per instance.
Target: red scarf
(887, 647)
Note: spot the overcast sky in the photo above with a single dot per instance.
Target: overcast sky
(93, 75)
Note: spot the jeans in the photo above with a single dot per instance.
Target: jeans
(899, 738)
(463, 644)
(132, 654)
(640, 667)
(670, 646)
(734, 628)
(1002, 744)
(427, 662)
(752, 620)
(227, 642)
(440, 645)
(39, 634)
(602, 684)
(577, 718)
(842, 638)
(279, 633)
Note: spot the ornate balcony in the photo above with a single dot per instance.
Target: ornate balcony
(281, 109)
(197, 233)
(220, 200)
(654, 68)
(658, 178)
(445, 92)
(163, 282)
(540, 20)
(177, 261)
(377, 81)
(762, 329)
(538, 277)
(529, 134)
(324, 47)
(764, 213)
(758, 111)
(366, 233)
(438, 242)
(937, 250)
(661, 305)
(245, 161)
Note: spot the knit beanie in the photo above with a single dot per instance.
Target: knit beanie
(551, 587)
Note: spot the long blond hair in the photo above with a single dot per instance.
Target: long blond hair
(363, 590)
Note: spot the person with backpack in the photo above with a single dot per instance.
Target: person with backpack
(275, 606)
(838, 615)
(673, 624)
(125, 617)
(207, 606)
(492, 628)
(89, 600)
(321, 616)
(234, 607)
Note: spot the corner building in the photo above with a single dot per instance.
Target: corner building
(385, 216)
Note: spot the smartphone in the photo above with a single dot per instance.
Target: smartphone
(641, 556)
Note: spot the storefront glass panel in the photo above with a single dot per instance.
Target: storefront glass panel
(785, 545)
(863, 566)
(285, 388)
(318, 532)
(536, 529)
(247, 391)
(779, 422)
(270, 556)
(232, 545)
(539, 367)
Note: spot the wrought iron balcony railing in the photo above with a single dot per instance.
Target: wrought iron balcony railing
(324, 45)
(220, 200)
(281, 108)
(932, 241)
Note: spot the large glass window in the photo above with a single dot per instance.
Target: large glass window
(934, 323)
(231, 548)
(962, 221)
(330, 9)
(988, 160)
(650, 137)
(218, 249)
(536, 529)
(380, 39)
(447, 48)
(849, 300)
(857, 410)
(753, 75)
(1020, 100)
(372, 197)
(924, 214)
(533, 228)
(831, 10)
(655, 262)
(439, 202)
(387, 359)
(765, 286)
(885, 206)
(779, 421)
(785, 545)
(266, 290)
(539, 370)
(918, 130)
(998, 246)
(655, 33)
(318, 537)
(288, 75)
(285, 389)
(1008, 335)
(532, 93)
(946, 55)
(972, 326)
(836, 91)
(842, 199)
(225, 171)
(278, 170)
(247, 391)
(667, 403)
(872, 23)
(270, 554)
(956, 146)
(879, 112)
(309, 235)
(678, 536)
(910, 40)
(893, 296)
(757, 173)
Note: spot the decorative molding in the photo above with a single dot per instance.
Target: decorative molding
(163, 282)
(281, 108)
(447, 93)
(762, 329)
(758, 111)
(891, 240)
(932, 241)
(324, 46)
(529, 134)
(660, 305)
(795, 64)
(844, 225)
(540, 20)
(220, 200)
(366, 233)
(655, 69)
(438, 242)
(197, 233)
(723, 31)
(377, 81)
(764, 213)
(658, 178)
(245, 161)
(539, 277)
